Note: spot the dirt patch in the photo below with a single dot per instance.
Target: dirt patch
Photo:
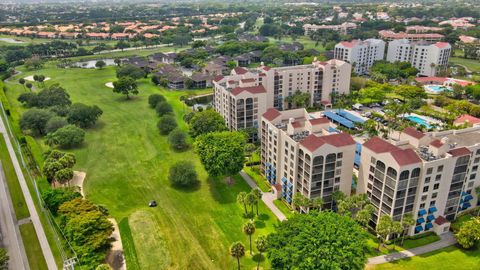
(77, 180)
(115, 257)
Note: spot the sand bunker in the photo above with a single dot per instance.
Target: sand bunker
(30, 78)
(109, 85)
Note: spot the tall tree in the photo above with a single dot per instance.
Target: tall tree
(407, 222)
(242, 199)
(257, 193)
(469, 233)
(205, 122)
(305, 241)
(237, 250)
(384, 229)
(249, 230)
(126, 86)
(221, 153)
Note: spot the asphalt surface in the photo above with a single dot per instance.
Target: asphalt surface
(9, 231)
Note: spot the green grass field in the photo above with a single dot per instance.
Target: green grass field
(127, 161)
(283, 208)
(32, 247)
(472, 64)
(306, 41)
(446, 258)
(259, 179)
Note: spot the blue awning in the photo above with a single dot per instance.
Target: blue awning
(418, 228)
(284, 180)
(350, 116)
(432, 209)
(420, 220)
(464, 193)
(422, 212)
(428, 226)
(336, 118)
(466, 205)
(430, 218)
(468, 197)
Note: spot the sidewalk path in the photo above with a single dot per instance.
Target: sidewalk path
(42, 238)
(267, 197)
(446, 240)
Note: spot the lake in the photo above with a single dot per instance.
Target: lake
(11, 40)
(91, 63)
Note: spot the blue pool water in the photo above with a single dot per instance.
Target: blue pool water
(418, 120)
(437, 88)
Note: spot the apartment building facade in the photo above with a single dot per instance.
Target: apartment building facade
(427, 37)
(263, 88)
(426, 57)
(431, 176)
(361, 54)
(301, 153)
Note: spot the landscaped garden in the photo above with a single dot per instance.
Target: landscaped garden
(127, 163)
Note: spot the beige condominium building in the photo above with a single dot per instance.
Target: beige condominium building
(301, 153)
(428, 58)
(244, 95)
(432, 176)
(361, 54)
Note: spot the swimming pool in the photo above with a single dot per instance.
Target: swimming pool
(436, 89)
(418, 120)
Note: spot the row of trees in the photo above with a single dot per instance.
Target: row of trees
(52, 114)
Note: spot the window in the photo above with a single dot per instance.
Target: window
(440, 168)
(422, 205)
(438, 177)
(432, 203)
(429, 170)
(435, 187)
(425, 189)
(424, 198)
(434, 195)
(472, 176)
(427, 180)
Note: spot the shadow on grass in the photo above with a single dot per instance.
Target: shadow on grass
(188, 189)
(259, 224)
(258, 258)
(263, 217)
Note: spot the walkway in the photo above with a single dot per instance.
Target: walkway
(446, 240)
(267, 197)
(42, 238)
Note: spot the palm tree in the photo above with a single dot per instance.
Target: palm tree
(249, 230)
(237, 250)
(317, 203)
(242, 199)
(396, 229)
(29, 86)
(477, 191)
(251, 200)
(262, 246)
(257, 193)
(407, 222)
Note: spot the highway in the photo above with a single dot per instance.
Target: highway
(10, 233)
(42, 238)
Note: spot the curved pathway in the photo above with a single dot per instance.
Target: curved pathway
(446, 240)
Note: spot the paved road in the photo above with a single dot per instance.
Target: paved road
(42, 238)
(10, 237)
(267, 197)
(446, 240)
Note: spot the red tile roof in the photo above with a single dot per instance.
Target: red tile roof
(266, 68)
(312, 142)
(349, 44)
(297, 124)
(240, 70)
(440, 220)
(436, 143)
(467, 118)
(457, 152)
(405, 157)
(413, 133)
(259, 89)
(218, 78)
(271, 114)
(439, 80)
(248, 80)
(441, 44)
(318, 121)
(378, 145)
(278, 187)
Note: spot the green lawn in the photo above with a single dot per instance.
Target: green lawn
(306, 41)
(372, 244)
(259, 179)
(283, 208)
(32, 247)
(127, 163)
(446, 258)
(471, 64)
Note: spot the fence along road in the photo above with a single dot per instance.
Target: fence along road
(42, 238)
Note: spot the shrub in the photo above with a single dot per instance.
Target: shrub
(66, 137)
(154, 99)
(163, 108)
(178, 139)
(55, 123)
(53, 198)
(83, 116)
(35, 120)
(183, 174)
(166, 124)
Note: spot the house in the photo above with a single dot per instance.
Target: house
(176, 81)
(293, 47)
(174, 76)
(213, 69)
(97, 36)
(120, 36)
(248, 58)
(200, 80)
(139, 62)
(252, 38)
(166, 58)
(466, 119)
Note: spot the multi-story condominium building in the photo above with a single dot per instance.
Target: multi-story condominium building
(302, 153)
(243, 96)
(426, 57)
(432, 176)
(361, 54)
(428, 37)
(423, 29)
(342, 28)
